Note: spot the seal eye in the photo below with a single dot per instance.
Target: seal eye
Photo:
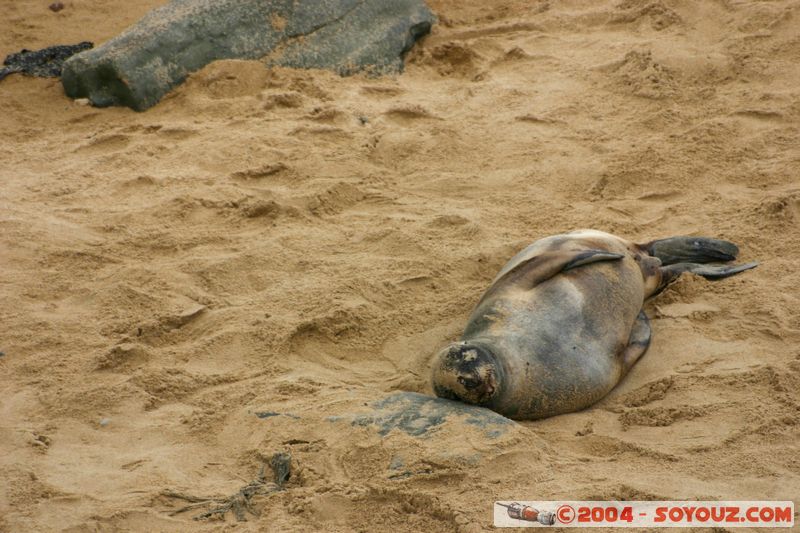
(469, 383)
(455, 353)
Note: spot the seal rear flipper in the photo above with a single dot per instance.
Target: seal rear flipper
(638, 342)
(671, 272)
(544, 266)
(691, 250)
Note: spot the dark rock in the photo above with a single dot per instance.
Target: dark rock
(138, 67)
(45, 63)
(417, 415)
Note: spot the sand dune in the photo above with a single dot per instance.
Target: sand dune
(295, 242)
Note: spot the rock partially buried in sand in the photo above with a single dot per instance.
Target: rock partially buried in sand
(138, 67)
(417, 415)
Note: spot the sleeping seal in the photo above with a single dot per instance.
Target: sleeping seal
(562, 322)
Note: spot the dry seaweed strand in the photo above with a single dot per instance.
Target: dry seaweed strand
(238, 503)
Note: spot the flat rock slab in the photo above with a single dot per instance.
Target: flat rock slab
(141, 65)
(419, 416)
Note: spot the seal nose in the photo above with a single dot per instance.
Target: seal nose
(469, 383)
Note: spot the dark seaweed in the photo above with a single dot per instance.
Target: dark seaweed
(45, 63)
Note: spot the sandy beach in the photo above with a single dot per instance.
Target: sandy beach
(295, 242)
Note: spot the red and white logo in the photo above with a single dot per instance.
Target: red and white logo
(565, 514)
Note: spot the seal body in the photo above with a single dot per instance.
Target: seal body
(562, 323)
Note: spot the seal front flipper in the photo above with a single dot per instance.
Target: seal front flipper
(541, 267)
(638, 342)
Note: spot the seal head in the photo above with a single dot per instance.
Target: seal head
(468, 372)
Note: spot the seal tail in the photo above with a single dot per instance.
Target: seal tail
(676, 250)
